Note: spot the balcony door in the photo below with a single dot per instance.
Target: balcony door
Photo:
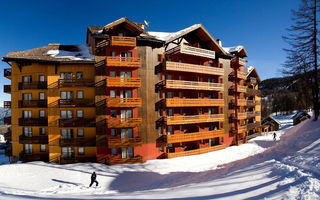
(66, 75)
(66, 133)
(67, 152)
(27, 114)
(28, 149)
(27, 79)
(66, 95)
(126, 114)
(127, 152)
(124, 75)
(27, 96)
(27, 131)
(66, 114)
(125, 94)
(126, 133)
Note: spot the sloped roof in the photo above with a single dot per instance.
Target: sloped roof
(134, 27)
(252, 71)
(54, 53)
(237, 50)
(301, 112)
(272, 118)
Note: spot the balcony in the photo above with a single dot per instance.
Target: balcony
(249, 137)
(119, 123)
(190, 85)
(253, 114)
(242, 74)
(194, 119)
(253, 92)
(134, 160)
(123, 82)
(196, 151)
(241, 102)
(194, 51)
(253, 125)
(241, 88)
(33, 121)
(123, 41)
(43, 139)
(79, 159)
(124, 142)
(70, 103)
(77, 122)
(239, 61)
(253, 103)
(252, 80)
(65, 83)
(242, 115)
(185, 67)
(24, 157)
(131, 62)
(33, 104)
(178, 102)
(79, 141)
(7, 88)
(32, 85)
(124, 102)
(7, 72)
(187, 137)
(7, 120)
(242, 129)
(7, 104)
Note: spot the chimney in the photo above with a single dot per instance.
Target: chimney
(219, 42)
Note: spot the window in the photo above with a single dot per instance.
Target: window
(80, 94)
(113, 53)
(79, 75)
(80, 150)
(66, 95)
(28, 148)
(125, 74)
(221, 65)
(120, 34)
(112, 74)
(42, 113)
(113, 132)
(27, 131)
(160, 130)
(180, 77)
(161, 148)
(169, 130)
(201, 95)
(130, 133)
(65, 75)
(169, 112)
(41, 78)
(123, 152)
(113, 113)
(125, 94)
(169, 95)
(159, 112)
(112, 94)
(130, 152)
(80, 132)
(27, 96)
(180, 60)
(181, 111)
(159, 94)
(159, 76)
(200, 111)
(27, 114)
(27, 79)
(209, 64)
(123, 133)
(168, 77)
(41, 95)
(129, 54)
(79, 113)
(180, 95)
(42, 147)
(159, 58)
(211, 111)
(181, 128)
(67, 152)
(114, 151)
(66, 114)
(67, 133)
(42, 131)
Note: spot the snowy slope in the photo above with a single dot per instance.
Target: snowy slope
(284, 169)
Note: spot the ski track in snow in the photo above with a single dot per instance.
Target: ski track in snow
(288, 168)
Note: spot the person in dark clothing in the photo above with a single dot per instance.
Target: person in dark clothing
(93, 179)
(274, 136)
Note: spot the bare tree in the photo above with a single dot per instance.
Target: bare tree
(303, 38)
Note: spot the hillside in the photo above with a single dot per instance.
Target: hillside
(284, 169)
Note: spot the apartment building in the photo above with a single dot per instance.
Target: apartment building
(131, 95)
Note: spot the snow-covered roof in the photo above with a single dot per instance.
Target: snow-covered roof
(233, 49)
(79, 52)
(251, 69)
(272, 119)
(299, 113)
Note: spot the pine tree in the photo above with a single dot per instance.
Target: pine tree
(303, 38)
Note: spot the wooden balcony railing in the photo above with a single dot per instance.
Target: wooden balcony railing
(119, 123)
(124, 142)
(239, 61)
(192, 85)
(132, 62)
(33, 121)
(43, 139)
(249, 137)
(33, 104)
(241, 102)
(79, 141)
(178, 102)
(24, 157)
(253, 92)
(77, 122)
(134, 160)
(7, 120)
(242, 75)
(252, 80)
(33, 85)
(241, 88)
(253, 103)
(242, 115)
(187, 137)
(189, 50)
(123, 82)
(253, 114)
(7, 104)
(242, 129)
(185, 67)
(79, 159)
(66, 103)
(7, 88)
(7, 72)
(253, 125)
(124, 102)
(196, 151)
(193, 119)
(123, 41)
(75, 83)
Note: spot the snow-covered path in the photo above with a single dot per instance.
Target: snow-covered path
(263, 168)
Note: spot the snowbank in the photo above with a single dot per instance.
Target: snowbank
(83, 53)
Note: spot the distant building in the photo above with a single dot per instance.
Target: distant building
(274, 125)
(300, 116)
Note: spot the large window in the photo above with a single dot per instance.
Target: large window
(66, 114)
(80, 94)
(28, 148)
(65, 75)
(27, 131)
(67, 133)
(66, 95)
(67, 152)
(42, 147)
(27, 114)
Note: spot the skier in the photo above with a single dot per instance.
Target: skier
(93, 179)
(274, 136)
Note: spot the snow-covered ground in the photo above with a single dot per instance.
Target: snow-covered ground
(288, 168)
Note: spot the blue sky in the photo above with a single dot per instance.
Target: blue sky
(256, 24)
